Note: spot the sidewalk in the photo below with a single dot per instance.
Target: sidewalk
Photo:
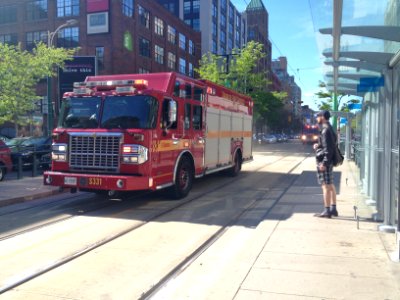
(20, 190)
(306, 256)
(293, 255)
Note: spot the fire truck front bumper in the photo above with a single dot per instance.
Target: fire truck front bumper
(98, 181)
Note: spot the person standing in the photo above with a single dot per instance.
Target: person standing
(324, 151)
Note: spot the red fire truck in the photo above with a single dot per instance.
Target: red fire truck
(148, 132)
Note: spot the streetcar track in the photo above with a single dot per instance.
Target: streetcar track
(157, 215)
(189, 260)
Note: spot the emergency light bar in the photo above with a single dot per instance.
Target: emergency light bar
(92, 84)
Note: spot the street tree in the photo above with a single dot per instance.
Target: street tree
(236, 71)
(20, 72)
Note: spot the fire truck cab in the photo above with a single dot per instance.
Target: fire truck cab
(148, 132)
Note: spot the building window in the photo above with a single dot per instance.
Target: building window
(128, 8)
(171, 61)
(237, 39)
(158, 26)
(222, 37)
(32, 38)
(10, 39)
(144, 47)
(187, 6)
(144, 17)
(188, 22)
(230, 29)
(196, 6)
(68, 37)
(182, 41)
(159, 54)
(97, 23)
(230, 45)
(191, 72)
(191, 47)
(170, 7)
(171, 35)
(223, 21)
(231, 13)
(237, 21)
(214, 10)
(36, 10)
(67, 8)
(214, 47)
(196, 24)
(100, 57)
(214, 29)
(182, 66)
(143, 71)
(223, 5)
(8, 14)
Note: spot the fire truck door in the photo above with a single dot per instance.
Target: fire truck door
(198, 137)
(167, 145)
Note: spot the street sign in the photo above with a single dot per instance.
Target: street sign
(352, 106)
(75, 70)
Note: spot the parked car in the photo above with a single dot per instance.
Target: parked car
(34, 147)
(15, 143)
(269, 139)
(4, 138)
(5, 160)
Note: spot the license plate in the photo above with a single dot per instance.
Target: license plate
(70, 180)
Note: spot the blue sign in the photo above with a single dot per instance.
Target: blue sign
(366, 88)
(352, 106)
(372, 81)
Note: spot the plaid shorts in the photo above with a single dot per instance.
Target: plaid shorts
(325, 177)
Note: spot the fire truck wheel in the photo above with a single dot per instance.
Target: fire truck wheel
(2, 172)
(234, 171)
(183, 179)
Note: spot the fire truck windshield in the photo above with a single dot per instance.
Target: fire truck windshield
(80, 112)
(130, 112)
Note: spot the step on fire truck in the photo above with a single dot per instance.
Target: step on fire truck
(148, 132)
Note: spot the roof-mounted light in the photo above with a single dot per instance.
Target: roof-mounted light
(82, 91)
(125, 89)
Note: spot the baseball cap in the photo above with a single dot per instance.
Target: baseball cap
(324, 113)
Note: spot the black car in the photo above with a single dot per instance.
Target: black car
(34, 147)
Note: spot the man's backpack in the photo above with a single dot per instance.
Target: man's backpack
(338, 157)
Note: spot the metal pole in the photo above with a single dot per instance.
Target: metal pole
(49, 108)
(335, 108)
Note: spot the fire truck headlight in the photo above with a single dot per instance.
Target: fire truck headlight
(134, 154)
(315, 137)
(59, 152)
(303, 137)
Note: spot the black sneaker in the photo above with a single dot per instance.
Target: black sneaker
(334, 213)
(324, 214)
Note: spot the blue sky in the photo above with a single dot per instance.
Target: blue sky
(292, 35)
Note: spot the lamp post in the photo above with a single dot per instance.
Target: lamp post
(50, 39)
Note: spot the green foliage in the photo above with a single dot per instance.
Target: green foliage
(240, 76)
(235, 70)
(268, 109)
(20, 71)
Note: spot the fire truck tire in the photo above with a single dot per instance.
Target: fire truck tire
(2, 172)
(183, 179)
(234, 171)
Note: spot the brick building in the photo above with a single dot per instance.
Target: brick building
(126, 36)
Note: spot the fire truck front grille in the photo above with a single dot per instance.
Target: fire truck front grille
(98, 152)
